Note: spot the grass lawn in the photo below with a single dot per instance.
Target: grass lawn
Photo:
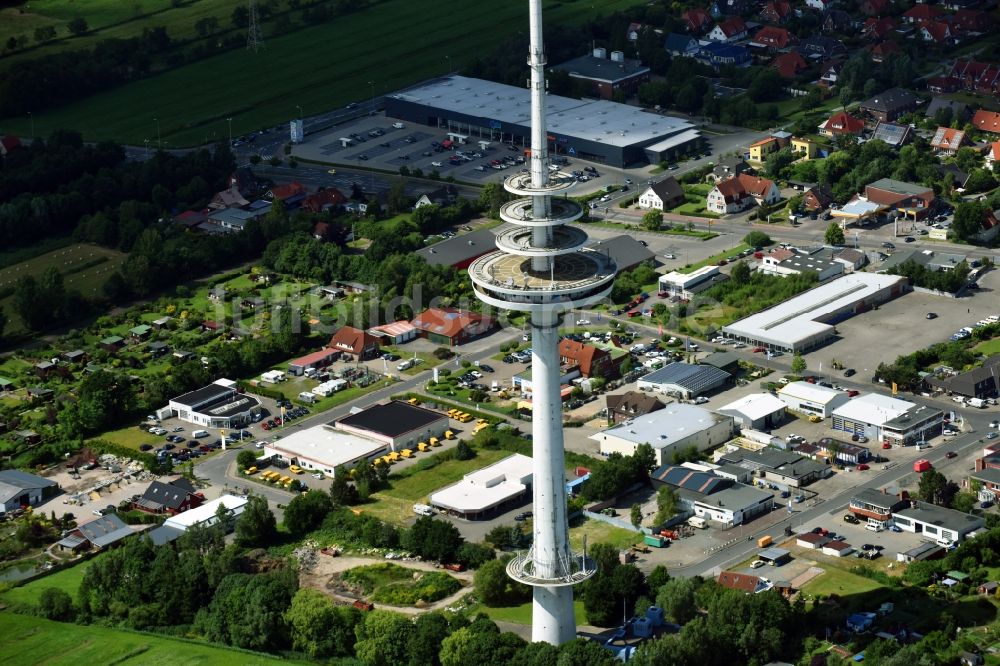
(989, 347)
(522, 614)
(68, 580)
(715, 258)
(84, 268)
(32, 640)
(392, 584)
(600, 532)
(131, 437)
(694, 206)
(126, 113)
(843, 583)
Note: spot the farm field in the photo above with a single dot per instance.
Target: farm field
(84, 268)
(32, 640)
(332, 65)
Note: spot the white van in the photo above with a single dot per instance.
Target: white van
(398, 125)
(198, 434)
(874, 527)
(423, 510)
(405, 365)
(307, 397)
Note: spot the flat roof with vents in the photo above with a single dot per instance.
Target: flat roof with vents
(666, 426)
(601, 121)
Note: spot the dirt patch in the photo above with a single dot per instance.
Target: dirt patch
(324, 576)
(806, 576)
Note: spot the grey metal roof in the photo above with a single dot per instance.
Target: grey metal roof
(451, 251)
(602, 69)
(23, 480)
(693, 378)
(940, 516)
(105, 530)
(664, 427)
(164, 534)
(625, 250)
(739, 496)
(989, 475)
(893, 99)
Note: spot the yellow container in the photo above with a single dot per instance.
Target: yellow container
(448, 434)
(407, 453)
(295, 469)
(251, 470)
(423, 446)
(433, 441)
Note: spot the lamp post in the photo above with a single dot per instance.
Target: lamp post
(230, 121)
(159, 145)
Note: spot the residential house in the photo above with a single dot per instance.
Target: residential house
(982, 382)
(161, 323)
(759, 150)
(875, 7)
(723, 54)
(959, 110)
(820, 5)
(817, 197)
(663, 195)
(592, 361)
(746, 583)
(990, 227)
(191, 219)
(359, 344)
(936, 32)
(890, 104)
(993, 155)
(244, 180)
(9, 142)
(732, 29)
(291, 194)
(697, 21)
(804, 148)
(139, 333)
(98, 534)
(728, 167)
(914, 200)
(841, 123)
(170, 497)
(838, 21)
(633, 30)
(75, 356)
(630, 405)
(829, 73)
(789, 65)
(353, 287)
(893, 134)
(878, 29)
(978, 77)
(879, 52)
(972, 22)
(821, 47)
(740, 193)
(922, 12)
(852, 259)
(228, 198)
(773, 38)
(442, 196)
(986, 121)
(323, 200)
(681, 45)
(948, 140)
(452, 326)
(776, 11)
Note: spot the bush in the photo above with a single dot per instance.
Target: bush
(56, 604)
(757, 239)
(464, 452)
(474, 555)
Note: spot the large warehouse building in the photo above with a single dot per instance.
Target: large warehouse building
(809, 320)
(218, 405)
(488, 491)
(677, 427)
(473, 110)
(324, 449)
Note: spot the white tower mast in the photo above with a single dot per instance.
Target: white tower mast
(543, 269)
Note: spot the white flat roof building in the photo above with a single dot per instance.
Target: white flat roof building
(809, 319)
(686, 285)
(480, 493)
(806, 398)
(675, 427)
(205, 514)
(324, 449)
(755, 411)
(882, 418)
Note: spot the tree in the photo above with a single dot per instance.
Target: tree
(246, 459)
(491, 582)
(677, 599)
(740, 273)
(319, 628)
(240, 17)
(45, 34)
(256, 527)
(666, 505)
(463, 451)
(798, 364)
(433, 539)
(757, 239)
(474, 555)
(980, 180)
(306, 512)
(77, 26)
(635, 515)
(968, 220)
(931, 487)
(56, 604)
(341, 490)
(583, 652)
(424, 644)
(652, 220)
(382, 639)
(834, 234)
(3, 321)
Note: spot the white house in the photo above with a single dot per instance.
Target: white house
(820, 5)
(731, 30)
(741, 192)
(663, 195)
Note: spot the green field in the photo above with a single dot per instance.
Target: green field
(317, 68)
(85, 268)
(599, 532)
(68, 580)
(988, 348)
(715, 258)
(522, 614)
(843, 583)
(32, 640)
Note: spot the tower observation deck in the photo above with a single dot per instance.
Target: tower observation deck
(542, 267)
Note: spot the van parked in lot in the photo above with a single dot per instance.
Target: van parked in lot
(423, 510)
(198, 434)
(405, 365)
(874, 527)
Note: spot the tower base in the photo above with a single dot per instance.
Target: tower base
(552, 618)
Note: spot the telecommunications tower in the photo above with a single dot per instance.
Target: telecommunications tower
(542, 268)
(254, 40)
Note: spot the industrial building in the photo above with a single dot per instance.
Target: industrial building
(809, 320)
(397, 424)
(206, 514)
(712, 497)
(218, 405)
(676, 427)
(783, 467)
(473, 110)
(881, 418)
(936, 522)
(324, 449)
(684, 380)
(606, 76)
(757, 411)
(20, 489)
(687, 285)
(488, 491)
(807, 398)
